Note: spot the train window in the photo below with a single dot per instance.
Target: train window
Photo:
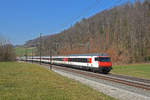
(57, 59)
(46, 58)
(102, 59)
(84, 60)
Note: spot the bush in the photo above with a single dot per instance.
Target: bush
(147, 58)
(7, 52)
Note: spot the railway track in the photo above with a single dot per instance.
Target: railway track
(130, 81)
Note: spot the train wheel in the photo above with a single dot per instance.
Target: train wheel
(93, 70)
(104, 71)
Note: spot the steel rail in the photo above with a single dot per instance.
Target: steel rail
(108, 77)
(128, 82)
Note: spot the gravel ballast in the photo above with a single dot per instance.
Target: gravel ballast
(112, 91)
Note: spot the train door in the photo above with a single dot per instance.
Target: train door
(94, 63)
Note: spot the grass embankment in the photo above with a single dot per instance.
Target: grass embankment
(135, 70)
(20, 51)
(22, 81)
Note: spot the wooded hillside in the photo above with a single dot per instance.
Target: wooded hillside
(123, 32)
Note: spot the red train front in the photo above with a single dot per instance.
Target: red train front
(104, 63)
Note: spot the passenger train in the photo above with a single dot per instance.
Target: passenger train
(93, 62)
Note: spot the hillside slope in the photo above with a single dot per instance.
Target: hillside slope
(123, 32)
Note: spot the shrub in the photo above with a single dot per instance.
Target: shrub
(7, 52)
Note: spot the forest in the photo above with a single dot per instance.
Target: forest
(123, 32)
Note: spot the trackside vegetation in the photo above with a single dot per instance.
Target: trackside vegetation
(7, 52)
(23, 81)
(21, 51)
(135, 70)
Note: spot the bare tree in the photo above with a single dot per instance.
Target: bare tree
(7, 52)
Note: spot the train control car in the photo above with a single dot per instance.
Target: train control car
(93, 62)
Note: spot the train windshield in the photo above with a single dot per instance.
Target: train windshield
(102, 59)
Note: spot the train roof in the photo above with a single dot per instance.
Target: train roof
(102, 54)
(74, 55)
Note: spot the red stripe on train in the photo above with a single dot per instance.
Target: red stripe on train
(90, 60)
(105, 64)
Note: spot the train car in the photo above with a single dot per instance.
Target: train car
(93, 62)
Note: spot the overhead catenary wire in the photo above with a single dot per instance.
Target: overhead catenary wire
(92, 6)
(87, 9)
(72, 20)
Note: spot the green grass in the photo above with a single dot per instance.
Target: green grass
(22, 81)
(20, 51)
(135, 70)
